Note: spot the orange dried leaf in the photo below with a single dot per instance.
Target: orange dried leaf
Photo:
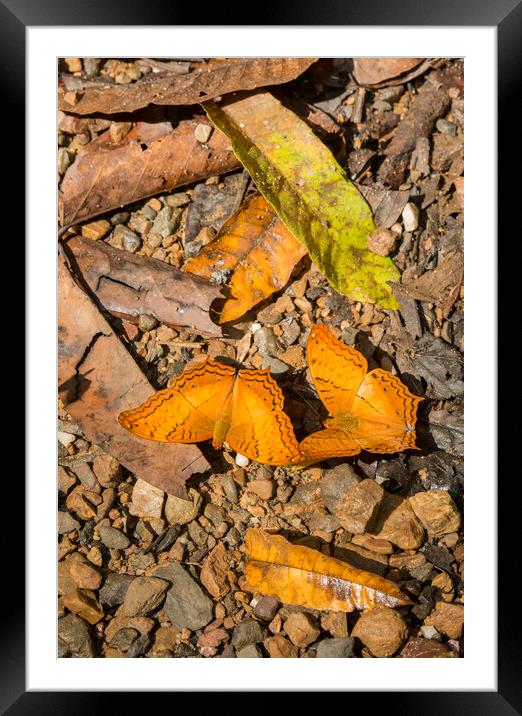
(304, 576)
(257, 249)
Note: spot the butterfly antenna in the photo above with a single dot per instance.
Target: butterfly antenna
(309, 404)
(191, 463)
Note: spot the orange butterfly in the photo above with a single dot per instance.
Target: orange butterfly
(370, 411)
(212, 400)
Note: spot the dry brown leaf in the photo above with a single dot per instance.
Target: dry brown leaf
(242, 73)
(441, 284)
(98, 379)
(300, 575)
(128, 285)
(257, 249)
(150, 159)
(384, 71)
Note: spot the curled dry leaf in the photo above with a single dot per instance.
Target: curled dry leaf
(257, 249)
(304, 576)
(384, 71)
(242, 73)
(98, 379)
(152, 158)
(311, 193)
(128, 285)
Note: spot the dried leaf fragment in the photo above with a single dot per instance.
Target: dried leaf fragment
(98, 379)
(152, 158)
(241, 73)
(257, 249)
(128, 285)
(303, 576)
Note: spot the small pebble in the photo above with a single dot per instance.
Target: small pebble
(446, 127)
(241, 460)
(202, 133)
(146, 322)
(410, 217)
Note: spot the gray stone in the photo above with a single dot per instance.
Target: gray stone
(115, 588)
(166, 222)
(75, 633)
(274, 365)
(247, 632)
(338, 648)
(197, 533)
(177, 200)
(229, 488)
(186, 604)
(120, 218)
(228, 652)
(335, 484)
(249, 652)
(291, 331)
(266, 341)
(67, 523)
(128, 239)
(139, 647)
(214, 513)
(124, 638)
(144, 595)
(112, 538)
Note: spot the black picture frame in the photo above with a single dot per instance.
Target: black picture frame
(506, 16)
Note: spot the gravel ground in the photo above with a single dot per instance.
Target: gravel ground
(146, 574)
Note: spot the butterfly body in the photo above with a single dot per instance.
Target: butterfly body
(213, 401)
(371, 411)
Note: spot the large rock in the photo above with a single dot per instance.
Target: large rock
(398, 523)
(437, 512)
(84, 603)
(382, 630)
(144, 595)
(186, 605)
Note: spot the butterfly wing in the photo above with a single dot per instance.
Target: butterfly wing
(328, 443)
(337, 369)
(260, 429)
(186, 411)
(386, 413)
